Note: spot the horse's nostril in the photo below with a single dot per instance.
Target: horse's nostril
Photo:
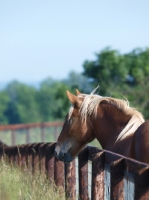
(55, 153)
(64, 154)
(60, 156)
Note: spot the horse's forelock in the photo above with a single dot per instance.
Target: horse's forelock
(70, 111)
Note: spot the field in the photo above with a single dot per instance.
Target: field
(50, 135)
(18, 185)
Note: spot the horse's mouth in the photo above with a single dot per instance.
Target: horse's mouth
(64, 157)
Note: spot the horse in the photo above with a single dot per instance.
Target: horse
(117, 126)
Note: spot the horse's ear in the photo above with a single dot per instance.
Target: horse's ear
(72, 98)
(78, 92)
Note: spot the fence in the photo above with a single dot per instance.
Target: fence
(28, 127)
(95, 174)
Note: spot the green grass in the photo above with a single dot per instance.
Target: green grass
(18, 185)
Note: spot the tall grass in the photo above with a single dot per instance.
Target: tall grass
(16, 184)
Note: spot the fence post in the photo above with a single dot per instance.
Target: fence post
(42, 133)
(70, 180)
(83, 174)
(27, 135)
(142, 184)
(59, 173)
(140, 179)
(98, 161)
(50, 161)
(22, 156)
(42, 158)
(29, 157)
(55, 133)
(10, 152)
(117, 175)
(35, 157)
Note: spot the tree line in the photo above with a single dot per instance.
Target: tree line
(118, 75)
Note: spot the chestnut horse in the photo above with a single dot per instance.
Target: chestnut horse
(111, 121)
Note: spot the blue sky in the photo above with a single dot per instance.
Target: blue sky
(40, 39)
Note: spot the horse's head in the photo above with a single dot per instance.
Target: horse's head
(75, 132)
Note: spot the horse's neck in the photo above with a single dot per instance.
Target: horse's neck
(109, 126)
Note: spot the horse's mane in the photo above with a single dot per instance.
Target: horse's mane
(92, 101)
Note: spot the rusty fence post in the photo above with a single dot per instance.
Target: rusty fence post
(83, 174)
(29, 157)
(22, 156)
(140, 173)
(142, 184)
(59, 177)
(98, 161)
(117, 176)
(16, 155)
(70, 180)
(50, 161)
(35, 157)
(42, 158)
(10, 153)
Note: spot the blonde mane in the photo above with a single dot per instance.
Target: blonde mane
(92, 101)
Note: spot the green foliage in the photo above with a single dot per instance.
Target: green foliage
(52, 100)
(107, 69)
(138, 63)
(22, 107)
(122, 75)
(4, 99)
(117, 74)
(78, 81)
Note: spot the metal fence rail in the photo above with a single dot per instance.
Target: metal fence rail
(96, 174)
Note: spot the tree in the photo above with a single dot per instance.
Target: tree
(138, 63)
(22, 107)
(122, 75)
(108, 69)
(52, 100)
(4, 99)
(78, 81)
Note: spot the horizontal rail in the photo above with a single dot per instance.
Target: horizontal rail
(111, 156)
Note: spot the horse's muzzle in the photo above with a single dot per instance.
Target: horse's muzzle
(64, 157)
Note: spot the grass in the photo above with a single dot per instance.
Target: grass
(21, 185)
(18, 185)
(95, 143)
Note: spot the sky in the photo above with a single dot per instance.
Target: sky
(51, 38)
